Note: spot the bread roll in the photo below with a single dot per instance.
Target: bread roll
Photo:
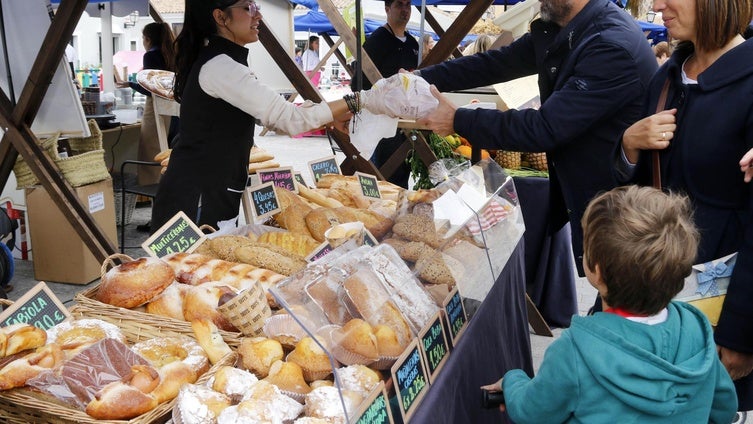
(258, 154)
(76, 335)
(417, 228)
(120, 401)
(134, 283)
(253, 167)
(178, 360)
(19, 337)
(17, 372)
(200, 302)
(210, 339)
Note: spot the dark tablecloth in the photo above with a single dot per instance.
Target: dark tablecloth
(550, 274)
(496, 340)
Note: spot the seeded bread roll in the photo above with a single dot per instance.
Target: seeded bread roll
(271, 257)
(439, 268)
(409, 250)
(417, 228)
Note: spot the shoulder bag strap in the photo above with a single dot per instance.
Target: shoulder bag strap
(655, 161)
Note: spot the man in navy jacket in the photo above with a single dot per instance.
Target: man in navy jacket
(594, 65)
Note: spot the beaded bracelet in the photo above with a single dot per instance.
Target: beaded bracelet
(353, 101)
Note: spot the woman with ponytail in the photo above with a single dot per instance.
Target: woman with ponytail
(220, 101)
(158, 42)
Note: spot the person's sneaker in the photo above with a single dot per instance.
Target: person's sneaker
(740, 417)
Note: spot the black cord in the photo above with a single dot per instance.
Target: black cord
(112, 150)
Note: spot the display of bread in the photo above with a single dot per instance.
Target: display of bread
(89, 364)
(134, 283)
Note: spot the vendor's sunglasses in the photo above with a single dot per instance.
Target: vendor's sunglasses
(252, 7)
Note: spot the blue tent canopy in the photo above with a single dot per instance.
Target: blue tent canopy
(656, 32)
(317, 22)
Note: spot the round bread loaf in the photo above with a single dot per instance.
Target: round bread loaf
(134, 283)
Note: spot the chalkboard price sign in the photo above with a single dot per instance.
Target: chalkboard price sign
(299, 178)
(263, 200)
(179, 234)
(369, 185)
(369, 239)
(376, 408)
(411, 380)
(38, 307)
(457, 321)
(434, 345)
(321, 251)
(323, 166)
(281, 177)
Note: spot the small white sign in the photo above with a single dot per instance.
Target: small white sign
(96, 202)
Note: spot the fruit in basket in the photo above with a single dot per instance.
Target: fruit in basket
(508, 160)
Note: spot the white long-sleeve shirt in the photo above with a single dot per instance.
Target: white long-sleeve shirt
(222, 77)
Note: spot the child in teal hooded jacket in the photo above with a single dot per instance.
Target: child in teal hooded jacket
(645, 359)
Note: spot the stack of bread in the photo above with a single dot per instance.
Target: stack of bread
(257, 159)
(93, 366)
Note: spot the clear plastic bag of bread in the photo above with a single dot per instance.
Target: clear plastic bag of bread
(80, 379)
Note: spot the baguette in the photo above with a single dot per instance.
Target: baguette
(253, 167)
(316, 197)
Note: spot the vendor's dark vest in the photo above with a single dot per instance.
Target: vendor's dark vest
(220, 132)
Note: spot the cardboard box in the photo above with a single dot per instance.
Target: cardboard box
(59, 253)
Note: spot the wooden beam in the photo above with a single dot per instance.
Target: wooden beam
(434, 24)
(370, 70)
(338, 54)
(459, 28)
(154, 14)
(353, 159)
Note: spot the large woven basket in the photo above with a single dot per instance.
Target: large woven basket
(88, 303)
(20, 406)
(85, 166)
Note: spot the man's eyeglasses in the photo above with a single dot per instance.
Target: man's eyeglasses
(252, 7)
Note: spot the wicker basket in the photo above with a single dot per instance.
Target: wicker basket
(85, 166)
(20, 406)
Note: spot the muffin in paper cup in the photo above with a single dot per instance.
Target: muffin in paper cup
(384, 362)
(285, 329)
(354, 343)
(312, 359)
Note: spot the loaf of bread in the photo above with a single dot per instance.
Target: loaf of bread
(184, 264)
(134, 283)
(299, 244)
(417, 228)
(439, 268)
(410, 251)
(320, 220)
(271, 257)
(23, 367)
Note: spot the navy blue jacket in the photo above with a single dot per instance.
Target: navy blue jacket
(593, 76)
(714, 130)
